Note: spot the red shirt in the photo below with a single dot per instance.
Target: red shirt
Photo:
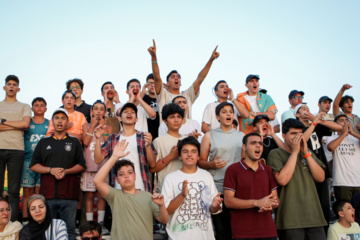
(247, 184)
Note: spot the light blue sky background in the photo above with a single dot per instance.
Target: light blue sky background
(307, 45)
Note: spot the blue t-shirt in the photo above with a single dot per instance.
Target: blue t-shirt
(32, 136)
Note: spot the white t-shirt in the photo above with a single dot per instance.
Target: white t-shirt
(252, 101)
(163, 147)
(166, 97)
(209, 116)
(192, 219)
(134, 158)
(141, 125)
(189, 126)
(346, 162)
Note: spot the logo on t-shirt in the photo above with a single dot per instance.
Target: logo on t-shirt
(48, 147)
(68, 147)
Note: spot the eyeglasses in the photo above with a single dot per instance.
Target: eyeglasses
(298, 97)
(76, 87)
(5, 210)
(90, 238)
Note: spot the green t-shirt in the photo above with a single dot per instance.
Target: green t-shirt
(132, 214)
(299, 203)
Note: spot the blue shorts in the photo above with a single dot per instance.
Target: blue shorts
(29, 178)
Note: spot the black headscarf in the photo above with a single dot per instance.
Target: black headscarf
(36, 230)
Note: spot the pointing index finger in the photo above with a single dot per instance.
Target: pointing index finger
(154, 45)
(216, 48)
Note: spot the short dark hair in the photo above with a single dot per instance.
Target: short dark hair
(13, 78)
(98, 101)
(235, 122)
(178, 96)
(344, 99)
(168, 76)
(291, 123)
(121, 163)
(38, 99)
(217, 84)
(76, 80)
(130, 81)
(188, 141)
(68, 91)
(90, 226)
(108, 82)
(221, 106)
(150, 76)
(338, 206)
(171, 108)
(245, 138)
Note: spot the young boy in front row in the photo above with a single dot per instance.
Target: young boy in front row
(190, 196)
(345, 227)
(132, 209)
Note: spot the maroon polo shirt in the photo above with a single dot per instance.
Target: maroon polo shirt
(249, 184)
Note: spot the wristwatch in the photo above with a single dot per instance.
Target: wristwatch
(2, 121)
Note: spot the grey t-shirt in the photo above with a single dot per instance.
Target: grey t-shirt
(227, 145)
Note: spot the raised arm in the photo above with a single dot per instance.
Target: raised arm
(155, 68)
(176, 202)
(202, 75)
(150, 156)
(99, 180)
(98, 156)
(285, 174)
(149, 110)
(338, 98)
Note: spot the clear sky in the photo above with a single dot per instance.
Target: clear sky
(306, 45)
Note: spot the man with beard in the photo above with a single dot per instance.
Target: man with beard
(144, 110)
(250, 193)
(346, 105)
(111, 97)
(173, 82)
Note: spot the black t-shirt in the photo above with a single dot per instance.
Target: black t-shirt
(84, 108)
(314, 144)
(269, 144)
(153, 125)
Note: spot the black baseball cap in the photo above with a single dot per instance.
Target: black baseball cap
(251, 76)
(129, 105)
(294, 92)
(323, 98)
(262, 90)
(259, 117)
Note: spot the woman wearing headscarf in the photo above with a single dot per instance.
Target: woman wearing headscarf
(41, 226)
